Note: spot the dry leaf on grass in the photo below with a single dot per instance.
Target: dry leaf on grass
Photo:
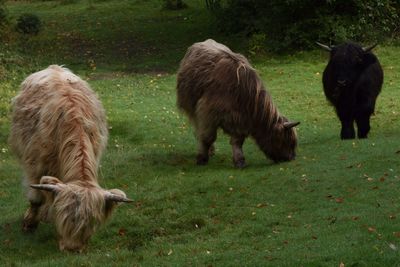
(122, 232)
(339, 200)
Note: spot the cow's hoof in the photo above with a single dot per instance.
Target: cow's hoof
(347, 137)
(240, 164)
(201, 160)
(211, 151)
(29, 227)
(362, 136)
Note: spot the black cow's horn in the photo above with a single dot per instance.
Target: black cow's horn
(328, 48)
(290, 124)
(369, 48)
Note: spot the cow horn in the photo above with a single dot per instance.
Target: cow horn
(290, 124)
(46, 187)
(328, 48)
(116, 198)
(369, 48)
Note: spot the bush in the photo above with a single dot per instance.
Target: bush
(3, 19)
(256, 43)
(3, 16)
(174, 4)
(28, 24)
(299, 23)
(69, 2)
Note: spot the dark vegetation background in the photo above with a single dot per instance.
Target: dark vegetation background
(293, 24)
(277, 25)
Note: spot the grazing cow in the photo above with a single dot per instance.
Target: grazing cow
(58, 133)
(218, 88)
(352, 81)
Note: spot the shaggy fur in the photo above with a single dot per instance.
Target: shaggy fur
(219, 88)
(352, 82)
(59, 132)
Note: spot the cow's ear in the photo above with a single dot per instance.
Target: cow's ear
(50, 180)
(368, 59)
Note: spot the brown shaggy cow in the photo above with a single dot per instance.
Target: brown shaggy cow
(59, 132)
(219, 88)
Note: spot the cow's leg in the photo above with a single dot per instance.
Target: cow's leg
(347, 131)
(203, 141)
(362, 120)
(211, 150)
(206, 138)
(206, 130)
(363, 127)
(237, 152)
(345, 111)
(346, 116)
(31, 217)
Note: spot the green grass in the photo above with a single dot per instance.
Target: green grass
(337, 202)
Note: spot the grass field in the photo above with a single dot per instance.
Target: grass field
(338, 202)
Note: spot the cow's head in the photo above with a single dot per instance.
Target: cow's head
(347, 61)
(78, 209)
(281, 145)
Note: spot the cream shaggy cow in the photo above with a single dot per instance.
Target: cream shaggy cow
(59, 132)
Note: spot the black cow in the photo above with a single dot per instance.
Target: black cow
(352, 81)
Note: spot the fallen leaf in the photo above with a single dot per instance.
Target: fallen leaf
(371, 229)
(270, 258)
(339, 200)
(122, 232)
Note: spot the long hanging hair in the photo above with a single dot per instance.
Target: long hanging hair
(212, 66)
(59, 132)
(211, 77)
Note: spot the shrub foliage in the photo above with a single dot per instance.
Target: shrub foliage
(3, 18)
(299, 23)
(174, 4)
(28, 24)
